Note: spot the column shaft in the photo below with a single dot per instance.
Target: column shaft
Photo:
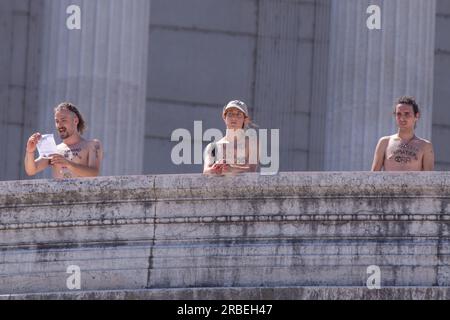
(369, 69)
(102, 68)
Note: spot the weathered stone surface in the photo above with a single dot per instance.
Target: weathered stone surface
(441, 94)
(248, 293)
(294, 236)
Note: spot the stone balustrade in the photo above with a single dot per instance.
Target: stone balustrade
(297, 235)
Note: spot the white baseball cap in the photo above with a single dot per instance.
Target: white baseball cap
(238, 104)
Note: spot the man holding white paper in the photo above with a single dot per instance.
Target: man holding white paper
(74, 157)
(47, 146)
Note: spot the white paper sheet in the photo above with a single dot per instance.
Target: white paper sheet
(46, 146)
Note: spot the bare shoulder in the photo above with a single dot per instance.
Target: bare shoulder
(425, 141)
(94, 143)
(223, 140)
(384, 140)
(426, 144)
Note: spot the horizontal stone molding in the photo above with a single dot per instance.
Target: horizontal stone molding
(248, 293)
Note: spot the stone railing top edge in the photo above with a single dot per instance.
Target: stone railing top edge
(251, 185)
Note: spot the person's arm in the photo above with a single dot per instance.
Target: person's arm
(33, 166)
(209, 167)
(238, 168)
(378, 159)
(428, 158)
(95, 155)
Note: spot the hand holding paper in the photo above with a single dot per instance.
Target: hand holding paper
(46, 146)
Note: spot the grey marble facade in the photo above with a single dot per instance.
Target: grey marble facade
(141, 69)
(369, 70)
(102, 69)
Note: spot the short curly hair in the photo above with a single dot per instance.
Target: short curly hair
(409, 101)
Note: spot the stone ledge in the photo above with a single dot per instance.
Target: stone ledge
(295, 229)
(248, 293)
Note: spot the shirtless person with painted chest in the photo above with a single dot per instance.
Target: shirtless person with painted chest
(236, 152)
(77, 157)
(404, 151)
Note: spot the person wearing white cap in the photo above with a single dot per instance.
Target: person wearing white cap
(236, 117)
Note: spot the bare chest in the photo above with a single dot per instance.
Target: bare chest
(233, 153)
(76, 154)
(404, 156)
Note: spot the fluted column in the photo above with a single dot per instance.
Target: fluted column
(101, 68)
(369, 69)
(317, 132)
